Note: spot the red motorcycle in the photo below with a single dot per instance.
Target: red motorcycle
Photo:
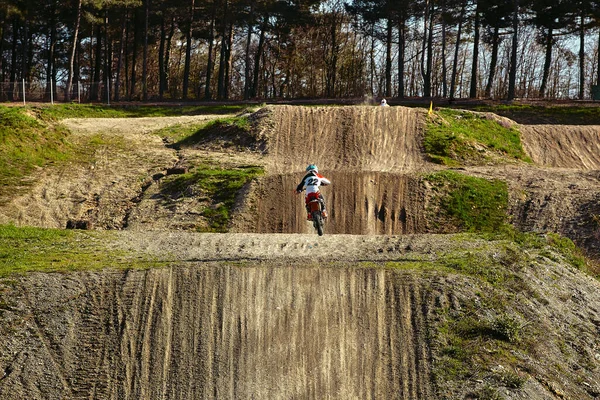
(315, 209)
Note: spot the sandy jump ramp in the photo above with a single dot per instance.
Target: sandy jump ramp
(365, 151)
(356, 138)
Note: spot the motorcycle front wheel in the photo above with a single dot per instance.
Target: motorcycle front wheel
(318, 222)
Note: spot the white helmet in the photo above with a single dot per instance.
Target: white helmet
(383, 101)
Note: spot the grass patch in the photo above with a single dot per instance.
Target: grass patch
(27, 142)
(29, 249)
(62, 111)
(219, 185)
(471, 204)
(457, 137)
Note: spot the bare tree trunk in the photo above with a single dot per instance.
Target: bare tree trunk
(455, 62)
(134, 57)
(168, 53)
(161, 59)
(372, 61)
(188, 53)
(424, 44)
(2, 32)
(122, 49)
(582, 59)
(512, 76)
(107, 60)
(332, 59)
(444, 67)
(51, 48)
(210, 61)
(97, 65)
(145, 63)
(598, 65)
(247, 60)
(493, 62)
(474, 64)
(229, 62)
(13, 59)
(259, 52)
(401, 48)
(222, 55)
(27, 54)
(547, 62)
(429, 65)
(73, 50)
(388, 59)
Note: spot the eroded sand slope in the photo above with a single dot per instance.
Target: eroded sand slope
(357, 138)
(205, 331)
(563, 146)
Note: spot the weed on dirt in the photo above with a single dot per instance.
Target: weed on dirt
(218, 185)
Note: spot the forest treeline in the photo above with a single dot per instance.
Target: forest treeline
(267, 49)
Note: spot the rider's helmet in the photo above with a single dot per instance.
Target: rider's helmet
(311, 168)
(383, 102)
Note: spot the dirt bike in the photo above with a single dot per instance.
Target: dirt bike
(315, 209)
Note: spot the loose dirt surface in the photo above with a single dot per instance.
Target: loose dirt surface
(271, 311)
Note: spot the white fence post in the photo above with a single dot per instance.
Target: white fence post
(79, 92)
(108, 91)
(23, 91)
(51, 93)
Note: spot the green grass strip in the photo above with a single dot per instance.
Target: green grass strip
(62, 111)
(453, 137)
(474, 204)
(27, 249)
(27, 142)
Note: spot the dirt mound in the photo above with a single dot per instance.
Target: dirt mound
(102, 190)
(357, 138)
(563, 146)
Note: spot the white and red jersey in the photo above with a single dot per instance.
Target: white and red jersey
(311, 182)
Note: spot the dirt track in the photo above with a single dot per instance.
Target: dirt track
(255, 315)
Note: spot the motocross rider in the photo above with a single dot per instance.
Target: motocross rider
(312, 180)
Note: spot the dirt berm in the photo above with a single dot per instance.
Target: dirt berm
(389, 304)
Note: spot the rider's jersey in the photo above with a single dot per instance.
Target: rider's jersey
(312, 181)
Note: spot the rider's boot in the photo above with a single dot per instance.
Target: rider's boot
(323, 211)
